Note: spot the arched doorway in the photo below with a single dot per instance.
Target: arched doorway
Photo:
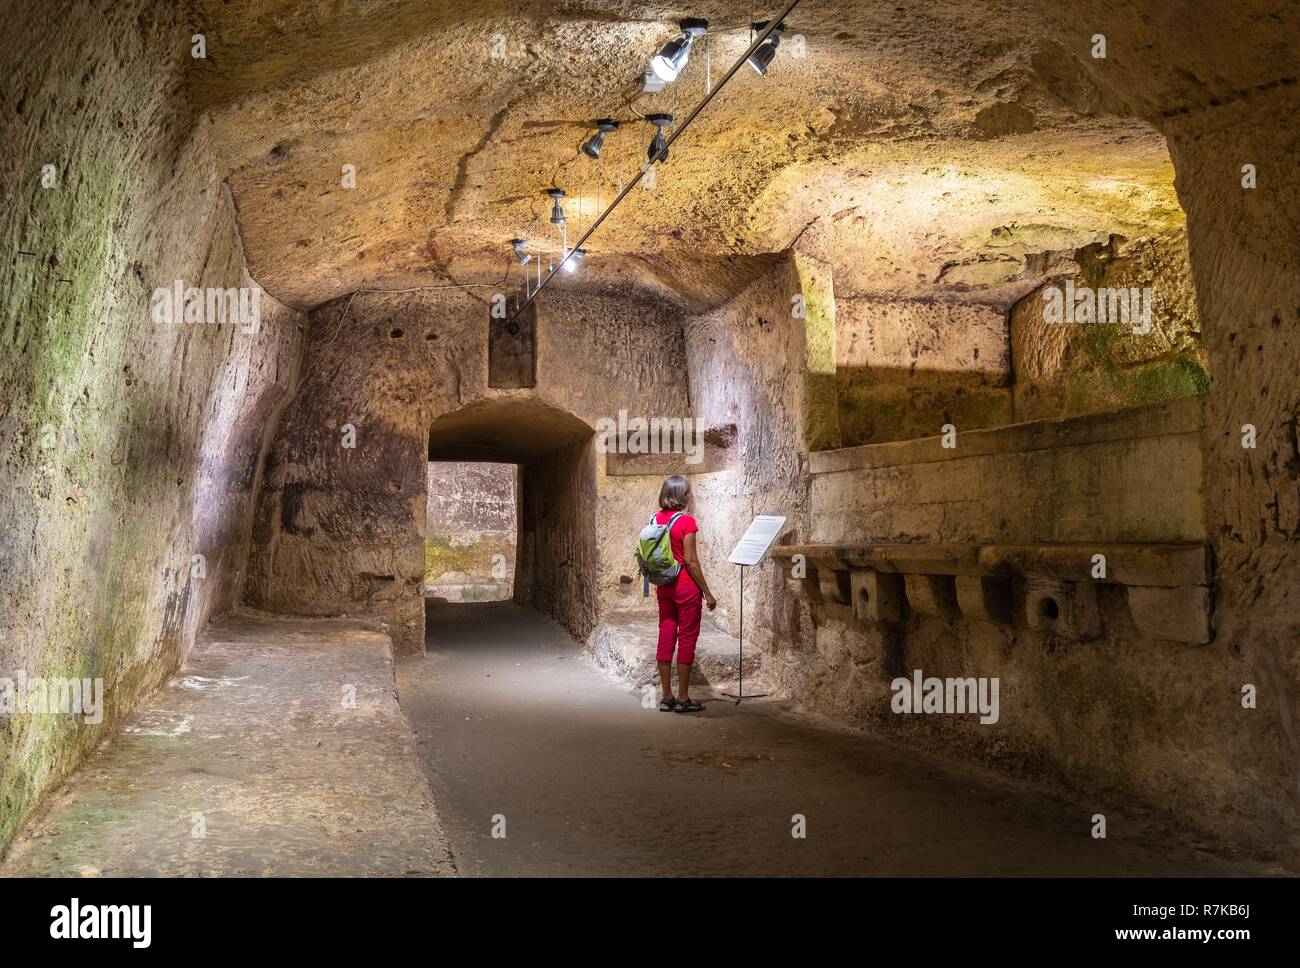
(555, 550)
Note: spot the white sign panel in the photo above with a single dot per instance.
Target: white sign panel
(762, 532)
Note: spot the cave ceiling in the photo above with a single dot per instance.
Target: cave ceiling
(955, 148)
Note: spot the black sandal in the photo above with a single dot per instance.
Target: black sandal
(667, 705)
(689, 706)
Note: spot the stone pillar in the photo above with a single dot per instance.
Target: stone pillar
(815, 308)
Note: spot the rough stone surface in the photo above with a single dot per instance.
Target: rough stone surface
(904, 369)
(1063, 370)
(980, 118)
(907, 177)
(246, 764)
(471, 528)
(748, 368)
(339, 529)
(129, 447)
(1244, 254)
(1131, 480)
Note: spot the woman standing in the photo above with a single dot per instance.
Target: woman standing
(680, 600)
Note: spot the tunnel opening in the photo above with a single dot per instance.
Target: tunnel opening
(471, 531)
(552, 493)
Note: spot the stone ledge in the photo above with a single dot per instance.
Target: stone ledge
(1181, 416)
(713, 460)
(1162, 565)
(1168, 585)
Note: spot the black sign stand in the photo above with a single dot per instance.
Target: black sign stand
(740, 691)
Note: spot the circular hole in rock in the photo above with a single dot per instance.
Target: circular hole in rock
(395, 333)
(1048, 609)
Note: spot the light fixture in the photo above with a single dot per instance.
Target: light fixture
(668, 63)
(644, 174)
(520, 246)
(591, 147)
(573, 260)
(660, 121)
(557, 210)
(761, 58)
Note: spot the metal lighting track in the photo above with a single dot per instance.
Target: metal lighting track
(772, 25)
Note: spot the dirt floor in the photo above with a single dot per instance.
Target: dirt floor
(253, 761)
(514, 722)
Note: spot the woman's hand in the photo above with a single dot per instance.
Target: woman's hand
(692, 564)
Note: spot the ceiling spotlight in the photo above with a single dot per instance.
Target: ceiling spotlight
(557, 210)
(520, 246)
(660, 121)
(668, 63)
(574, 259)
(591, 147)
(761, 58)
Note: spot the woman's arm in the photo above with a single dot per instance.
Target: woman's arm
(692, 565)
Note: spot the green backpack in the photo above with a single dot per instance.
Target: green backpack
(654, 554)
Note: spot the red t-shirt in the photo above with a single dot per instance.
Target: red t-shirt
(677, 539)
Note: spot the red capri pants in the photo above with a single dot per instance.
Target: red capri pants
(680, 608)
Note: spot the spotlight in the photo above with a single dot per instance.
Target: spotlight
(761, 58)
(591, 147)
(519, 245)
(574, 259)
(660, 121)
(557, 210)
(668, 63)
